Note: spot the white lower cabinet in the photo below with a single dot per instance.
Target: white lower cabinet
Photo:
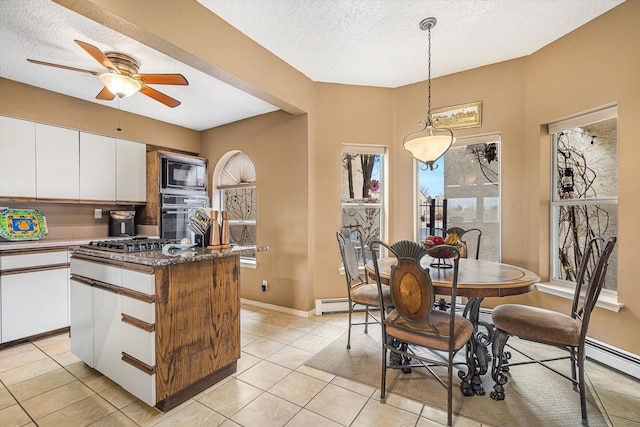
(33, 303)
(113, 328)
(33, 293)
(107, 353)
(81, 314)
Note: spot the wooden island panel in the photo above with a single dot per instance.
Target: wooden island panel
(197, 327)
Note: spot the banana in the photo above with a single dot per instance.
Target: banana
(452, 239)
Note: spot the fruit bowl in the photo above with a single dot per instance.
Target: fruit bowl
(442, 250)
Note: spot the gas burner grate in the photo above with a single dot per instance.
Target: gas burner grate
(129, 245)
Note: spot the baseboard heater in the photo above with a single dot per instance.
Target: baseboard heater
(598, 351)
(334, 305)
(613, 357)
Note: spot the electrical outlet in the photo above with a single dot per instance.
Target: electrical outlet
(97, 213)
(265, 286)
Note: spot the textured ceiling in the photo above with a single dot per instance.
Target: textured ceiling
(379, 42)
(360, 42)
(43, 30)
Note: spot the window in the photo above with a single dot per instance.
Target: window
(363, 189)
(584, 199)
(238, 196)
(464, 191)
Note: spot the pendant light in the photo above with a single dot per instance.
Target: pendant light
(428, 144)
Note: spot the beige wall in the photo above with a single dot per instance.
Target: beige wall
(31, 103)
(277, 145)
(593, 66)
(597, 64)
(297, 157)
(344, 114)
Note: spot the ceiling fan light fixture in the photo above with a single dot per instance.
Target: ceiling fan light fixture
(424, 145)
(119, 84)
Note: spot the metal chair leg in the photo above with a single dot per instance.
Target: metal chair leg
(349, 332)
(383, 384)
(583, 392)
(366, 319)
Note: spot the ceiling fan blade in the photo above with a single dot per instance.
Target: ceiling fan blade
(64, 67)
(97, 55)
(105, 94)
(163, 79)
(159, 96)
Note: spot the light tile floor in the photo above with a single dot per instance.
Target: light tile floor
(44, 384)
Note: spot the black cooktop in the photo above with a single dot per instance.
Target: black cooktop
(129, 245)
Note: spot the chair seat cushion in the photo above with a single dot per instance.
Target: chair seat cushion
(368, 294)
(537, 324)
(413, 332)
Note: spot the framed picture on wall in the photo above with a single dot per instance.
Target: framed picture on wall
(458, 116)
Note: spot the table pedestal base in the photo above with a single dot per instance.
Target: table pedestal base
(478, 356)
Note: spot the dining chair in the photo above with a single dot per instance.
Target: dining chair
(359, 291)
(442, 303)
(415, 323)
(472, 235)
(549, 327)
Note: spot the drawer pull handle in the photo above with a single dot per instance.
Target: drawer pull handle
(140, 324)
(149, 370)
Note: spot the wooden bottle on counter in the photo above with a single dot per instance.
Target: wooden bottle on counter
(214, 241)
(225, 241)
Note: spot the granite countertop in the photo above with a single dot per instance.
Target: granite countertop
(48, 243)
(157, 257)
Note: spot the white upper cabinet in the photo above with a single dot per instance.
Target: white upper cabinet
(57, 162)
(17, 158)
(39, 161)
(97, 167)
(131, 175)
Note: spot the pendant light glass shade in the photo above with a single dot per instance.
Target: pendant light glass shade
(119, 84)
(427, 147)
(424, 145)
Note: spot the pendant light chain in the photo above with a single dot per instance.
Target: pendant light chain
(429, 81)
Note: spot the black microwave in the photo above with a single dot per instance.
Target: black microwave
(183, 174)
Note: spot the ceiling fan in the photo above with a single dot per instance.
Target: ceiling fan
(122, 78)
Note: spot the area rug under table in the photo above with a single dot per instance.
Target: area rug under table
(535, 396)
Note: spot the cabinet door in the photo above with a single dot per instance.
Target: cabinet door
(97, 167)
(57, 163)
(17, 158)
(33, 303)
(131, 175)
(107, 343)
(81, 313)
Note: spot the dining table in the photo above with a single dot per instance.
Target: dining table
(477, 279)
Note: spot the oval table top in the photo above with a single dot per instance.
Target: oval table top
(476, 278)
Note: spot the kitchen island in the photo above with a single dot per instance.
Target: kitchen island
(163, 326)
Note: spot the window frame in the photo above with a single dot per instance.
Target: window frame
(555, 203)
(463, 141)
(217, 199)
(382, 151)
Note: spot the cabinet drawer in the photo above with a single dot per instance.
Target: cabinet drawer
(96, 271)
(139, 309)
(138, 281)
(141, 384)
(33, 260)
(139, 343)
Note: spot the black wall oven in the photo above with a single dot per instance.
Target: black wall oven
(175, 211)
(183, 175)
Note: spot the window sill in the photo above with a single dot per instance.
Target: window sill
(605, 301)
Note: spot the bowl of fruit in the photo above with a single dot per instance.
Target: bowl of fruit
(445, 251)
